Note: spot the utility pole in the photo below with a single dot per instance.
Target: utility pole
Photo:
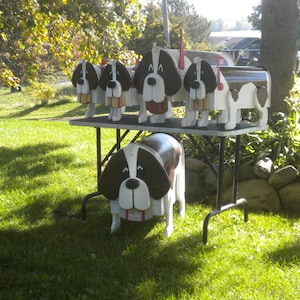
(166, 22)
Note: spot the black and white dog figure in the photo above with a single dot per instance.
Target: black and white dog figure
(227, 89)
(117, 82)
(145, 179)
(85, 79)
(158, 78)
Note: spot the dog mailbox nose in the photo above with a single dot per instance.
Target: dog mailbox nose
(80, 81)
(111, 84)
(132, 184)
(151, 81)
(195, 85)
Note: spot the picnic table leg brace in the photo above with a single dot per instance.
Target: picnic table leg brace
(219, 207)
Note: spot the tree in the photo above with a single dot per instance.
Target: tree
(181, 16)
(39, 36)
(279, 47)
(255, 18)
(196, 27)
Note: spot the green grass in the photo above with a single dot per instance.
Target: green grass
(47, 252)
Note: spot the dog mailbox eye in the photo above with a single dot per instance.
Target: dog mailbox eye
(160, 68)
(125, 170)
(140, 172)
(150, 68)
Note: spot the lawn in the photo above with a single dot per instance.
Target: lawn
(47, 252)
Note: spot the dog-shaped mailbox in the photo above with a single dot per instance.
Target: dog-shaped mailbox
(158, 79)
(117, 82)
(145, 179)
(85, 79)
(228, 89)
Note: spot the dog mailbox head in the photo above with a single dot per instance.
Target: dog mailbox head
(156, 77)
(207, 76)
(115, 71)
(141, 171)
(115, 80)
(85, 78)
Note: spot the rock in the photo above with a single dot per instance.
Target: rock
(195, 164)
(195, 188)
(246, 173)
(263, 168)
(283, 176)
(259, 194)
(211, 178)
(289, 196)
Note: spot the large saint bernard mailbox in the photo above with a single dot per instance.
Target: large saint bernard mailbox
(145, 179)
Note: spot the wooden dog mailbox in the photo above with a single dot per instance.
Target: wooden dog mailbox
(228, 89)
(145, 179)
(117, 82)
(158, 79)
(85, 79)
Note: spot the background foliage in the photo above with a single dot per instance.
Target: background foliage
(39, 37)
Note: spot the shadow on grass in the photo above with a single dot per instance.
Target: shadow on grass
(32, 160)
(71, 259)
(286, 255)
(25, 112)
(81, 109)
(25, 167)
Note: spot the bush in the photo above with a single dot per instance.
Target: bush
(41, 91)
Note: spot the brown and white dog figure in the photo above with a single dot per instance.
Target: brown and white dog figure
(145, 179)
(159, 79)
(227, 89)
(85, 79)
(117, 82)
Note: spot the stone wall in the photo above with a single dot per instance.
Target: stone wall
(265, 187)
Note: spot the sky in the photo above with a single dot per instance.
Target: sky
(224, 9)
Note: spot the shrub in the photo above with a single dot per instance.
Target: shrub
(43, 92)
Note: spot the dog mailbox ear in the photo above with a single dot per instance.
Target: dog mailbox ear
(76, 74)
(113, 175)
(153, 174)
(142, 71)
(170, 73)
(90, 75)
(207, 76)
(123, 76)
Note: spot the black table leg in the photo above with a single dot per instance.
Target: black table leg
(99, 165)
(219, 207)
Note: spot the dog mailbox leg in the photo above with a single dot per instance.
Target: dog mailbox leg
(260, 103)
(176, 193)
(116, 219)
(180, 185)
(169, 202)
(142, 118)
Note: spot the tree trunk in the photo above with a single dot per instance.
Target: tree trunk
(279, 48)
